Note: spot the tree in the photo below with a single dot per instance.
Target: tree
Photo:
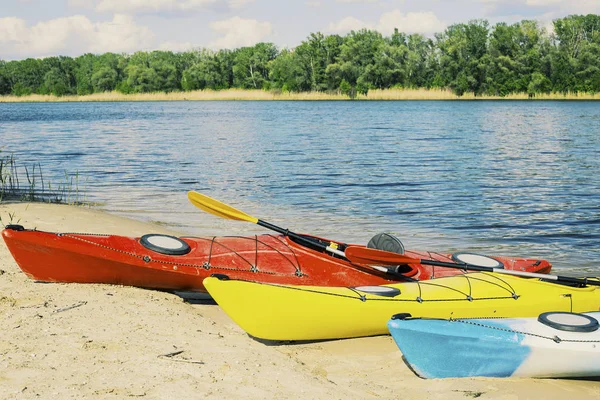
(104, 79)
(83, 74)
(388, 69)
(116, 62)
(515, 54)
(347, 89)
(574, 31)
(251, 66)
(205, 73)
(312, 58)
(539, 84)
(359, 50)
(167, 67)
(463, 48)
(167, 77)
(574, 62)
(151, 72)
(338, 72)
(226, 59)
(5, 85)
(587, 69)
(26, 76)
(56, 82)
(142, 79)
(420, 61)
(286, 73)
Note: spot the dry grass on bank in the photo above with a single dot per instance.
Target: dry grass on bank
(446, 94)
(238, 94)
(231, 94)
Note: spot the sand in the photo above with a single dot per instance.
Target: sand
(61, 341)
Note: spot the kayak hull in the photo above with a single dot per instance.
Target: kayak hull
(513, 347)
(113, 259)
(81, 258)
(317, 312)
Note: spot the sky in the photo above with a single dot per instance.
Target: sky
(42, 28)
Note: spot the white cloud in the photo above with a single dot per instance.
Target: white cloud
(346, 25)
(355, 1)
(11, 30)
(177, 46)
(120, 35)
(569, 7)
(412, 22)
(542, 2)
(558, 8)
(239, 32)
(151, 6)
(237, 4)
(73, 35)
(81, 3)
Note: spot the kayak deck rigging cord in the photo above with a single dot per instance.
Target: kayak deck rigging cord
(555, 339)
(206, 265)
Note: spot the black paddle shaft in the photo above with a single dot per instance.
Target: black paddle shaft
(469, 267)
(316, 244)
(307, 241)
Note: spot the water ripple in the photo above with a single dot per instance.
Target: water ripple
(506, 177)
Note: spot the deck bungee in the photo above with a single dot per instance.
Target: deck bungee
(286, 312)
(553, 345)
(142, 262)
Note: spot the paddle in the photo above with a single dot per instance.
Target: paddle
(223, 210)
(365, 255)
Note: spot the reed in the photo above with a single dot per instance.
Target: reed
(7, 176)
(410, 94)
(253, 95)
(66, 192)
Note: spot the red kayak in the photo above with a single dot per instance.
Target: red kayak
(166, 262)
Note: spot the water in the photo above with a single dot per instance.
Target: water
(515, 178)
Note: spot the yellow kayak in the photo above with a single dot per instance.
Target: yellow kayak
(287, 312)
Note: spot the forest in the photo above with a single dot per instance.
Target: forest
(472, 57)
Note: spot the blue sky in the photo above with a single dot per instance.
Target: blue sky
(40, 28)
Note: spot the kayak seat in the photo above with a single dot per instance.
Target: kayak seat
(386, 242)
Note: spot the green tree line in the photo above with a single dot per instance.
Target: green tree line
(466, 57)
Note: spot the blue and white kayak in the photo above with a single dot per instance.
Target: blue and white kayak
(556, 344)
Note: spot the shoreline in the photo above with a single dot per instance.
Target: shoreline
(262, 95)
(106, 341)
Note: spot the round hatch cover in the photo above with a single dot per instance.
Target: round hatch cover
(165, 244)
(478, 260)
(379, 290)
(566, 321)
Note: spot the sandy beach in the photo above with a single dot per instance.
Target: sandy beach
(61, 341)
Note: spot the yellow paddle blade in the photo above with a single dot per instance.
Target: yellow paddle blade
(217, 208)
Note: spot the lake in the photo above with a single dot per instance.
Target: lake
(498, 177)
